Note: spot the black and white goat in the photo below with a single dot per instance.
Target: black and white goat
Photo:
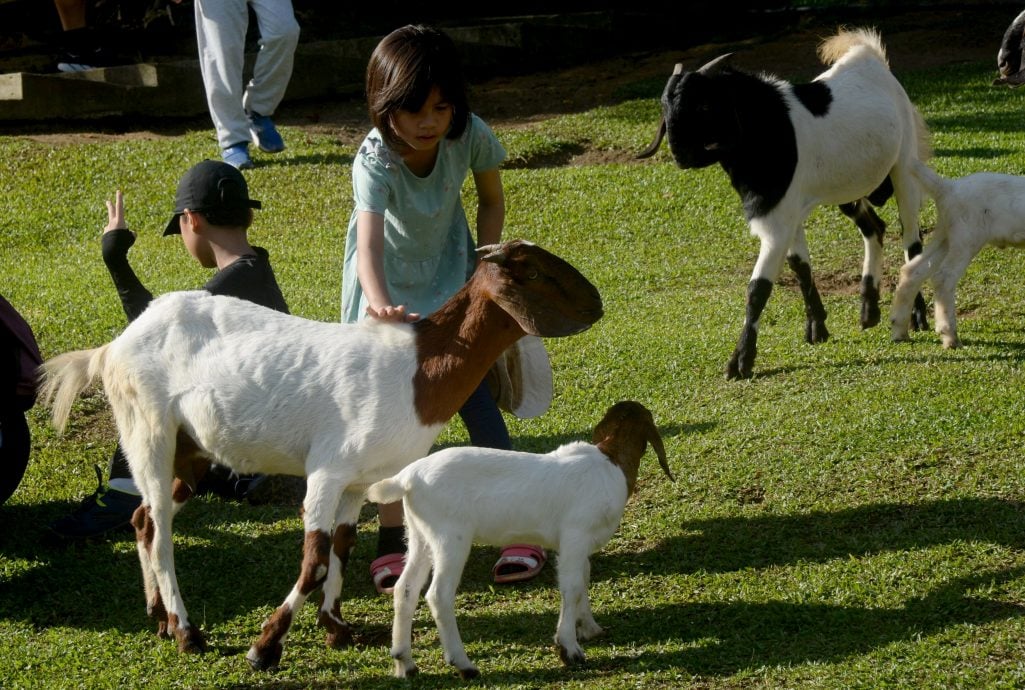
(1009, 57)
(199, 377)
(570, 500)
(846, 138)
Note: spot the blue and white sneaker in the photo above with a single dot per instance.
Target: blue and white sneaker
(264, 133)
(237, 156)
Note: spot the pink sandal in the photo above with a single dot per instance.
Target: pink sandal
(385, 571)
(519, 562)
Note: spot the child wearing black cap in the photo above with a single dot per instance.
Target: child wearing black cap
(212, 213)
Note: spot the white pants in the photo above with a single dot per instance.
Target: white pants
(221, 34)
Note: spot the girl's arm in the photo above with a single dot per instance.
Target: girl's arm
(370, 269)
(490, 206)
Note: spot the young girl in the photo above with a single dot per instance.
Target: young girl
(408, 247)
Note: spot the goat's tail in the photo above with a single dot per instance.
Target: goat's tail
(835, 47)
(64, 377)
(388, 490)
(934, 184)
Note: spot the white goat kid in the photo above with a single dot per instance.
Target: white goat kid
(971, 212)
(845, 138)
(570, 500)
(198, 377)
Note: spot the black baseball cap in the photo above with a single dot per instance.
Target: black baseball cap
(215, 189)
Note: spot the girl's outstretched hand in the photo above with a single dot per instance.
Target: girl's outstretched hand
(390, 313)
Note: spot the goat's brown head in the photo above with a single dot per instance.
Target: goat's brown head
(623, 435)
(544, 294)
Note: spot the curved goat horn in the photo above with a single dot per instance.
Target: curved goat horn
(653, 146)
(495, 253)
(716, 65)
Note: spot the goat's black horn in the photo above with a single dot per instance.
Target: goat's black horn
(653, 146)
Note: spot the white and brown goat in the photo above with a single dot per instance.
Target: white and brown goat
(199, 377)
(570, 500)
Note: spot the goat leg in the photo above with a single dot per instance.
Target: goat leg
(814, 313)
(265, 654)
(741, 364)
(190, 638)
(873, 229)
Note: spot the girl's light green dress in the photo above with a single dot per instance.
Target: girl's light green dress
(428, 248)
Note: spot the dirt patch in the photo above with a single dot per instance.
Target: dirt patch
(918, 38)
(915, 38)
(827, 283)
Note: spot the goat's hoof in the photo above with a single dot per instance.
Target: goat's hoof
(571, 658)
(339, 633)
(899, 330)
(816, 332)
(190, 640)
(469, 673)
(870, 320)
(340, 637)
(404, 671)
(266, 659)
(869, 303)
(338, 640)
(951, 343)
(736, 370)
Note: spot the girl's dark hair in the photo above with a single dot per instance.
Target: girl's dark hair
(403, 69)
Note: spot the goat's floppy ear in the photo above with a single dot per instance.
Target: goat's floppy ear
(660, 450)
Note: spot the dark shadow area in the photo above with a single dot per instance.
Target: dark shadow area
(974, 152)
(223, 574)
(732, 637)
(1013, 352)
(732, 544)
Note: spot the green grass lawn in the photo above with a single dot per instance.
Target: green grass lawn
(852, 516)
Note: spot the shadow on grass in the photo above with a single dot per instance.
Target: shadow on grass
(736, 543)
(1010, 352)
(722, 639)
(96, 584)
(974, 152)
(226, 572)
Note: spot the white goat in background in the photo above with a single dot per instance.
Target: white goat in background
(971, 212)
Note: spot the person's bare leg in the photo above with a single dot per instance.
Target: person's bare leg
(71, 13)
